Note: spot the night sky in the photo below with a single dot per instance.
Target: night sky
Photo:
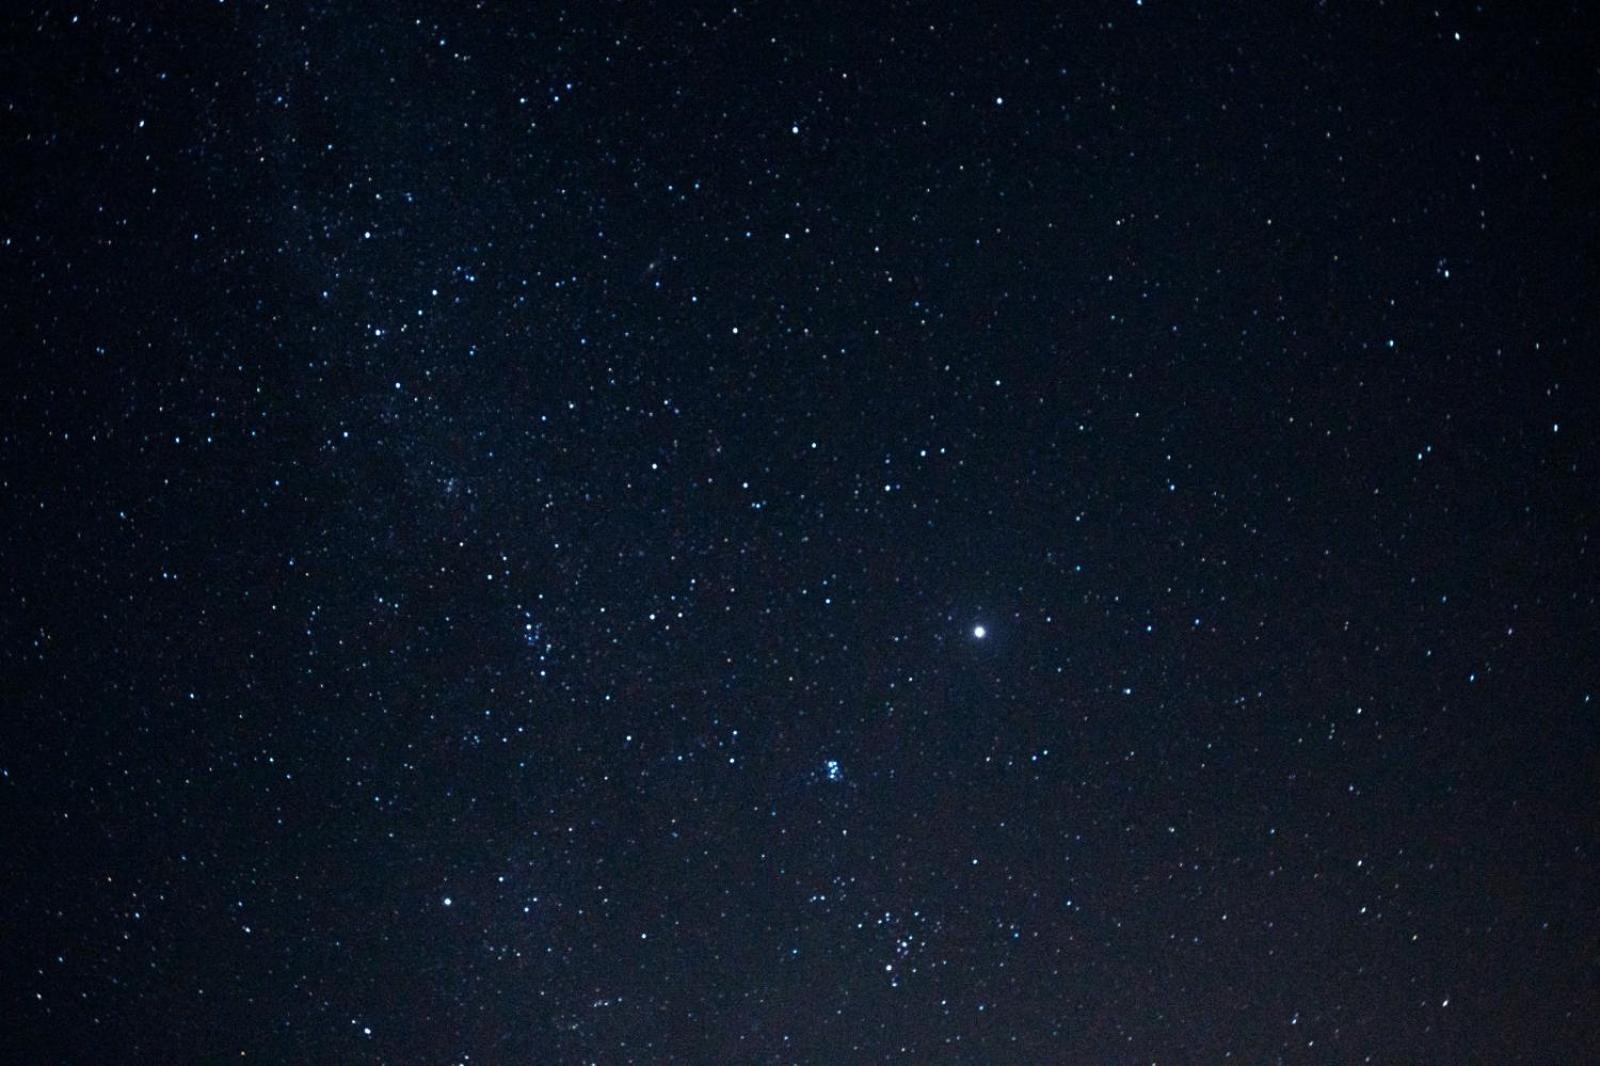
(790, 533)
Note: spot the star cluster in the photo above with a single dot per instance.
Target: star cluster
(790, 533)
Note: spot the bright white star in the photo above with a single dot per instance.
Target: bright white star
(979, 632)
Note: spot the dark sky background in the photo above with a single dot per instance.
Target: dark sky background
(499, 503)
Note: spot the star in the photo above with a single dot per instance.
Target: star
(979, 632)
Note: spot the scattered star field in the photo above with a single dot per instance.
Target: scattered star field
(761, 533)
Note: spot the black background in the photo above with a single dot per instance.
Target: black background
(497, 498)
